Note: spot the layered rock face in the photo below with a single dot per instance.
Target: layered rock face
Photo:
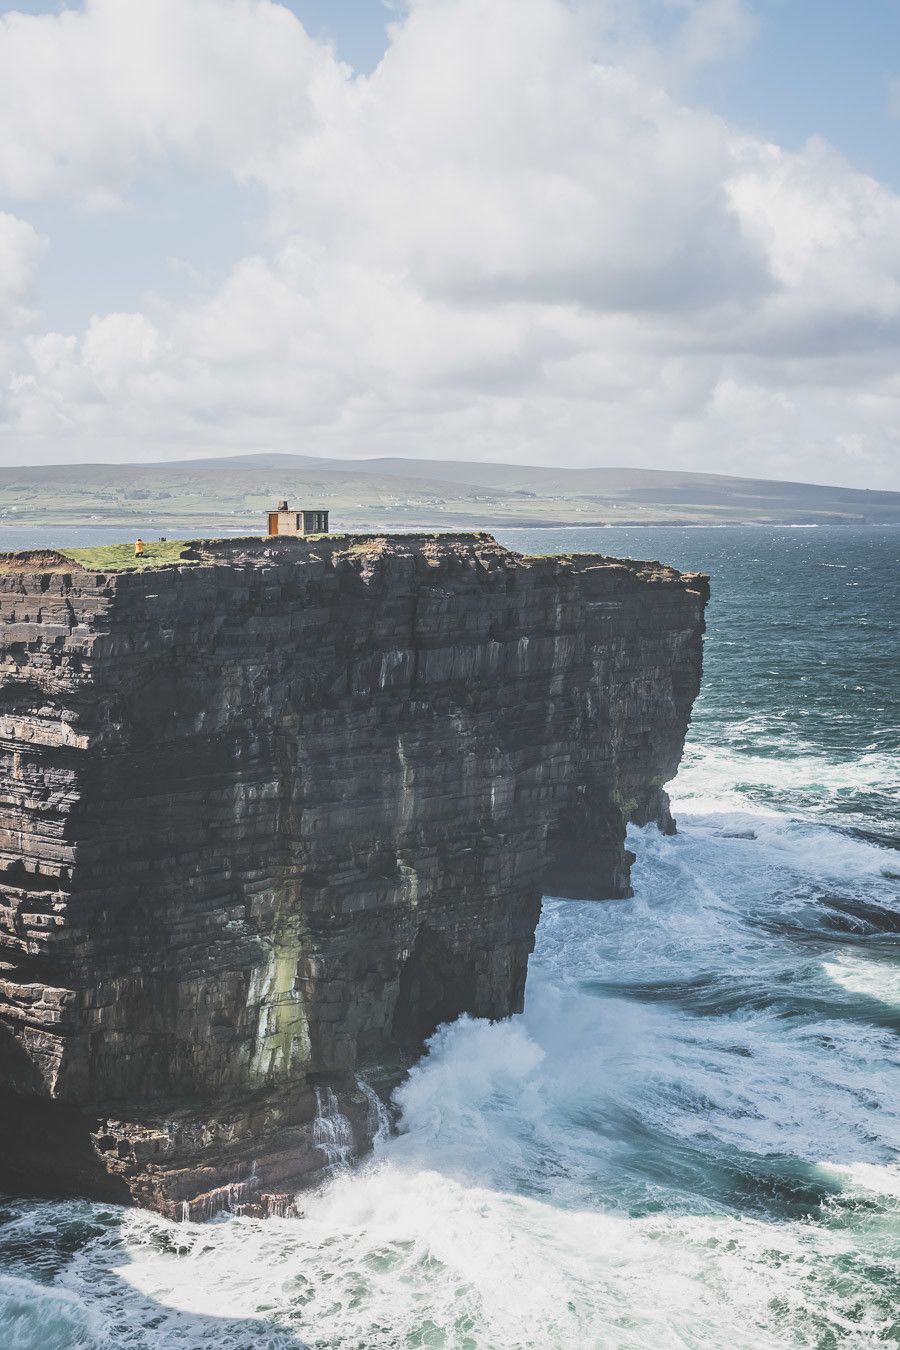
(269, 817)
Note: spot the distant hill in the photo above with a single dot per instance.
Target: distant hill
(234, 493)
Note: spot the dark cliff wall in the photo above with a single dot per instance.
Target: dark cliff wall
(272, 817)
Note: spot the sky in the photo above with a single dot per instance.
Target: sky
(659, 233)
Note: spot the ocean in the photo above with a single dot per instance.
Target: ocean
(689, 1138)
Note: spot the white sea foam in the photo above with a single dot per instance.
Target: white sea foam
(401, 1256)
(332, 1132)
(867, 1178)
(715, 779)
(32, 1318)
(875, 979)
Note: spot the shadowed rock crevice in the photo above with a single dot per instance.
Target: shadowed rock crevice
(270, 817)
(439, 982)
(47, 1150)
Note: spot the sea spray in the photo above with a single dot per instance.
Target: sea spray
(332, 1132)
(378, 1117)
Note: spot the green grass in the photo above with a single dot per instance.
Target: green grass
(118, 557)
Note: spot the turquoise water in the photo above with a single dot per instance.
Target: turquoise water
(689, 1138)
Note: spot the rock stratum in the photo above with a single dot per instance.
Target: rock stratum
(270, 816)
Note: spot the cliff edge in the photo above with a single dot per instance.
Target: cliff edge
(270, 815)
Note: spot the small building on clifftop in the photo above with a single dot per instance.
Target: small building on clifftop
(284, 521)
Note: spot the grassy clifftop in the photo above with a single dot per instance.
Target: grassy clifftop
(118, 557)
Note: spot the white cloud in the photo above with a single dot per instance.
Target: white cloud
(832, 238)
(510, 241)
(487, 159)
(21, 249)
(87, 97)
(714, 29)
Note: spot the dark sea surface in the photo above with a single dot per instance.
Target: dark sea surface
(689, 1138)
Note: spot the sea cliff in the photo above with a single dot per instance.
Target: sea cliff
(271, 814)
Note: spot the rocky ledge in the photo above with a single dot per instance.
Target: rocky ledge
(271, 815)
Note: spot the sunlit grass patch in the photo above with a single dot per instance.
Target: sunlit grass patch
(117, 557)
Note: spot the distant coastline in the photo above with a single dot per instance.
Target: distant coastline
(231, 495)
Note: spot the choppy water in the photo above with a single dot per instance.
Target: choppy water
(689, 1138)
